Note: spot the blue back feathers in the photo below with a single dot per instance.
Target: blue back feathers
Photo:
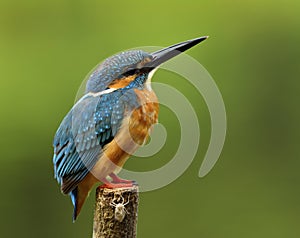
(88, 127)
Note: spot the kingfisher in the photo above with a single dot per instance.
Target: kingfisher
(109, 122)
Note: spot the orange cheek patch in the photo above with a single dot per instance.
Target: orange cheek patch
(122, 82)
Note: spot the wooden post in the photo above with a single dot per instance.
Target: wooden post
(116, 212)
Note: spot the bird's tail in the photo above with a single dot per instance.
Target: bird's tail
(78, 197)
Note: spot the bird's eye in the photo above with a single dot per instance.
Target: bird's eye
(130, 71)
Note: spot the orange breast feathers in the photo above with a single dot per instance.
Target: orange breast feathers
(135, 128)
(143, 117)
(134, 132)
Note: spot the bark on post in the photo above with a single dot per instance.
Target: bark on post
(116, 212)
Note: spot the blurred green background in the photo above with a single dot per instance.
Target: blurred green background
(48, 47)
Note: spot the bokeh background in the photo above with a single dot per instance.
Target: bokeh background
(48, 47)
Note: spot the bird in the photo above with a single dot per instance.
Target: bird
(109, 122)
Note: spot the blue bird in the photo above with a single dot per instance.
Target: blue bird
(109, 122)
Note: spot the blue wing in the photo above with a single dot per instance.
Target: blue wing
(88, 127)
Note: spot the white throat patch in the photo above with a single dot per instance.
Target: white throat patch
(148, 81)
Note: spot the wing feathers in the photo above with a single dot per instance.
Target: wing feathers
(88, 127)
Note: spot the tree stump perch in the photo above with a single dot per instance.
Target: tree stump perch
(116, 212)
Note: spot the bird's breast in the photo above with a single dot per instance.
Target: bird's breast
(134, 132)
(144, 116)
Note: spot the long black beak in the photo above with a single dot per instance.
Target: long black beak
(165, 54)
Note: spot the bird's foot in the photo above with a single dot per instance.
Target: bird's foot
(118, 180)
(116, 185)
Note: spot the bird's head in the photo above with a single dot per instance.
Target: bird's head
(133, 68)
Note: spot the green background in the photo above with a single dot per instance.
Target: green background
(48, 47)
